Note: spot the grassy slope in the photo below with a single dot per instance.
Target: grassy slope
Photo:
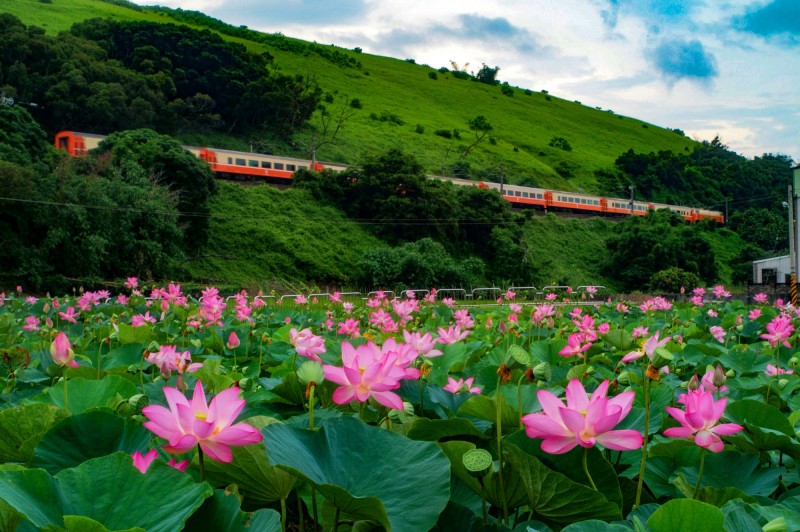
(526, 122)
(261, 234)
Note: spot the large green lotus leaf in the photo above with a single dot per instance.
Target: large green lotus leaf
(767, 428)
(89, 435)
(425, 429)
(737, 518)
(368, 473)
(108, 490)
(744, 361)
(128, 334)
(222, 513)
(9, 517)
(122, 356)
(83, 394)
(571, 465)
(557, 498)
(453, 359)
(258, 481)
(620, 339)
(593, 525)
(686, 514)
(483, 407)
(79, 523)
(22, 427)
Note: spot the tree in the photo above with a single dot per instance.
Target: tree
(488, 74)
(168, 164)
(481, 126)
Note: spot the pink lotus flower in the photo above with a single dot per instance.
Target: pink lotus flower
(775, 370)
(779, 330)
(461, 386)
(718, 333)
(760, 298)
(648, 348)
(131, 283)
(186, 424)
(366, 373)
(61, 351)
(349, 327)
(142, 319)
(300, 300)
(448, 302)
(699, 420)
(451, 335)
(463, 319)
(423, 344)
(754, 314)
(122, 299)
(551, 297)
(168, 359)
(142, 462)
(306, 344)
(70, 315)
(720, 292)
(574, 346)
(31, 324)
(584, 421)
(335, 297)
(697, 300)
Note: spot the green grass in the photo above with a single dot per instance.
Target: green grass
(262, 237)
(525, 122)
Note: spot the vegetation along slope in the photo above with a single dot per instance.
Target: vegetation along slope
(203, 82)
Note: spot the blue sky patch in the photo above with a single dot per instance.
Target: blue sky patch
(778, 18)
(679, 59)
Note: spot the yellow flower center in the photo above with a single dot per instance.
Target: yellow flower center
(200, 415)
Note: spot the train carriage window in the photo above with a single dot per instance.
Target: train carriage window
(266, 164)
(278, 166)
(524, 194)
(516, 193)
(538, 196)
(230, 160)
(252, 163)
(241, 162)
(583, 200)
(291, 167)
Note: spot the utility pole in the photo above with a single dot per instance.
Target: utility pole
(794, 231)
(631, 189)
(502, 176)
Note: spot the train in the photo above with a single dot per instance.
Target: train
(256, 165)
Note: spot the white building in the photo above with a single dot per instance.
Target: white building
(772, 271)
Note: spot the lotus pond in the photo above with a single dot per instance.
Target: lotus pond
(160, 411)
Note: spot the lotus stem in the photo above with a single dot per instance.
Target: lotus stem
(283, 514)
(311, 406)
(99, 354)
(499, 401)
(421, 398)
(66, 404)
(202, 464)
(643, 463)
(586, 468)
(519, 401)
(314, 504)
(336, 520)
(483, 503)
(700, 472)
(300, 511)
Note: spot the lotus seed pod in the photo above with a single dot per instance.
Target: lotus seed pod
(730, 373)
(543, 371)
(793, 362)
(517, 357)
(246, 384)
(310, 371)
(624, 378)
(662, 357)
(477, 462)
(137, 402)
(782, 383)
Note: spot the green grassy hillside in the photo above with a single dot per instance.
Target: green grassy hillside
(524, 123)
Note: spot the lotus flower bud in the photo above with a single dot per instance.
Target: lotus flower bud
(694, 383)
(624, 378)
(776, 525)
(310, 371)
(719, 377)
(730, 373)
(61, 351)
(233, 340)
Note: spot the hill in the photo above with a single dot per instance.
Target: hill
(402, 104)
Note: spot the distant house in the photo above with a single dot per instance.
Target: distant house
(772, 271)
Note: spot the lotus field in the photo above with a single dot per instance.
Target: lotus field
(155, 410)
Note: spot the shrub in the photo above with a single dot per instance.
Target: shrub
(492, 141)
(443, 70)
(506, 89)
(412, 61)
(672, 279)
(528, 92)
(355, 103)
(561, 143)
(432, 74)
(357, 50)
(443, 133)
(548, 98)
(419, 129)
(564, 170)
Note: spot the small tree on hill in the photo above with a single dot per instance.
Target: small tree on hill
(481, 126)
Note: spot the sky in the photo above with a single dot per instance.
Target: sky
(726, 68)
